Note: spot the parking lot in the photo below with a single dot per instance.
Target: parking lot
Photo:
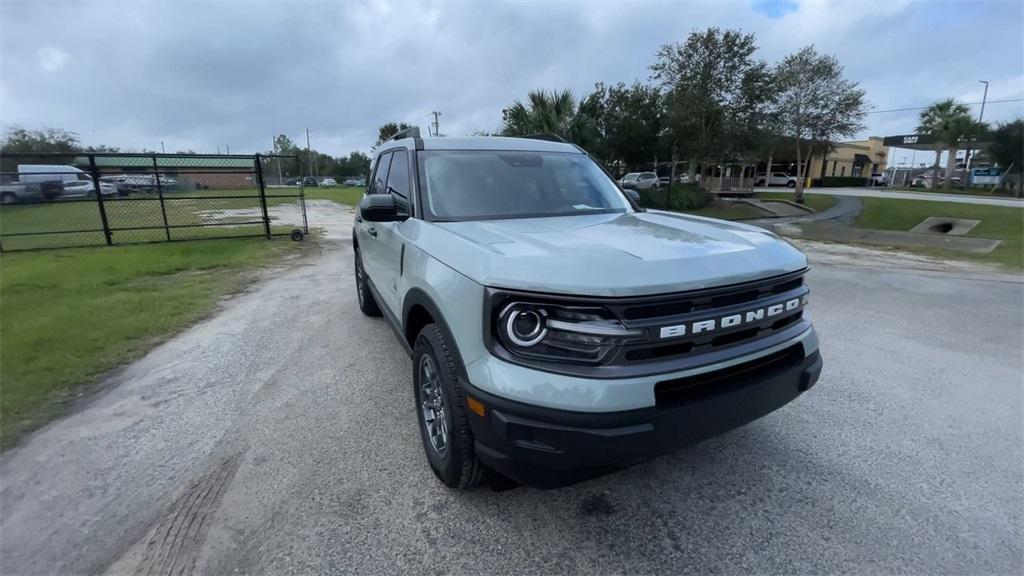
(212, 454)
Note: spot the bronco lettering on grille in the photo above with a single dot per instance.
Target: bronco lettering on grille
(711, 324)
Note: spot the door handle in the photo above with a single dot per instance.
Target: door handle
(372, 232)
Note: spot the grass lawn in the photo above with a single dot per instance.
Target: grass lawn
(78, 222)
(67, 316)
(973, 191)
(997, 222)
(726, 211)
(817, 202)
(346, 195)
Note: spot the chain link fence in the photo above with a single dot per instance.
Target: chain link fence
(57, 201)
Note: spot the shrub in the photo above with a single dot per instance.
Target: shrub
(838, 181)
(682, 197)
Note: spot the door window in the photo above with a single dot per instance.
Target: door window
(380, 175)
(398, 179)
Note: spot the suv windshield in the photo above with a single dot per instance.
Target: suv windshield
(496, 184)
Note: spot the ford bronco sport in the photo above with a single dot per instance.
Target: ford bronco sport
(559, 331)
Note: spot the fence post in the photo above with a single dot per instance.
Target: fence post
(302, 204)
(160, 193)
(99, 197)
(263, 195)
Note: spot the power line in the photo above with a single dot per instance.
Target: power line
(926, 107)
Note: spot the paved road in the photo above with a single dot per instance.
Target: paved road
(279, 436)
(928, 196)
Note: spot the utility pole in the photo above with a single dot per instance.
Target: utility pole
(227, 149)
(970, 153)
(309, 154)
(281, 179)
(437, 127)
(162, 149)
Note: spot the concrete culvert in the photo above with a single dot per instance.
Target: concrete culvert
(945, 226)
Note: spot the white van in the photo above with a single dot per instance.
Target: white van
(29, 173)
(53, 180)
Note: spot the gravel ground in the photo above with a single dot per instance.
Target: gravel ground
(279, 436)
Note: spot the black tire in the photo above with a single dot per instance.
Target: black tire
(456, 465)
(8, 198)
(366, 302)
(791, 184)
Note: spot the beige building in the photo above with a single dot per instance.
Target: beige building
(859, 158)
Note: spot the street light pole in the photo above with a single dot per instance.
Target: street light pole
(981, 115)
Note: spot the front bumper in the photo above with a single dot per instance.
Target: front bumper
(547, 448)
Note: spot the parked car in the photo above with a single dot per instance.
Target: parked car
(878, 179)
(131, 182)
(292, 182)
(358, 182)
(929, 182)
(310, 182)
(328, 182)
(640, 181)
(776, 179)
(556, 331)
(664, 180)
(86, 189)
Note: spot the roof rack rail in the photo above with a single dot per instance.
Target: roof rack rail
(410, 132)
(546, 136)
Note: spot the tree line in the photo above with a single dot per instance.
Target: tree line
(711, 102)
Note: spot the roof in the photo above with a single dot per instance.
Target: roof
(191, 161)
(498, 143)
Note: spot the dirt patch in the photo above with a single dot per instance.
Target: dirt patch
(850, 255)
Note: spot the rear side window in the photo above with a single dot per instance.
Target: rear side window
(380, 175)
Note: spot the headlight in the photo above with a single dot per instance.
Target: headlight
(560, 332)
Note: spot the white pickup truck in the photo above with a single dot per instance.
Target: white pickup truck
(38, 182)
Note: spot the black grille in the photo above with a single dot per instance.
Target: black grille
(669, 393)
(653, 313)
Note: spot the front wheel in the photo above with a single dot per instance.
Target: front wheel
(791, 184)
(366, 302)
(8, 198)
(441, 411)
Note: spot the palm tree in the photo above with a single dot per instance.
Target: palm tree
(554, 112)
(949, 122)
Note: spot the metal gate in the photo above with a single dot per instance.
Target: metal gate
(65, 200)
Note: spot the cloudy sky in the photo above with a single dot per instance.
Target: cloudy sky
(199, 75)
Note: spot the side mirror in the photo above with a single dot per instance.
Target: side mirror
(634, 195)
(380, 208)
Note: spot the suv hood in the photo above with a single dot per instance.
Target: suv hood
(610, 254)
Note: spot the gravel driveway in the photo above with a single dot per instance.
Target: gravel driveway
(279, 436)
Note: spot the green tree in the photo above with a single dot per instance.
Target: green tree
(949, 123)
(388, 130)
(632, 123)
(20, 140)
(285, 145)
(552, 112)
(355, 164)
(714, 96)
(1008, 150)
(815, 105)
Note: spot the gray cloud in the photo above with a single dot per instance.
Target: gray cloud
(202, 75)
